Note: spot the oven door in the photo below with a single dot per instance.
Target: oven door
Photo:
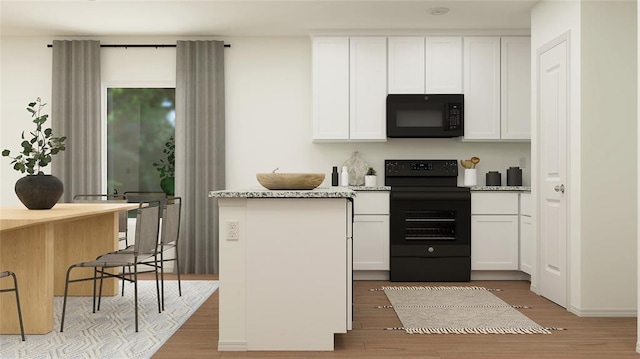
(430, 216)
(430, 235)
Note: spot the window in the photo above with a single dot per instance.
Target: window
(140, 121)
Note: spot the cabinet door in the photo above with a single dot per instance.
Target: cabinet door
(368, 88)
(371, 242)
(406, 65)
(494, 242)
(526, 244)
(443, 65)
(489, 202)
(516, 88)
(330, 88)
(481, 88)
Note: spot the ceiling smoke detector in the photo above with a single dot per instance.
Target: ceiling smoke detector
(438, 10)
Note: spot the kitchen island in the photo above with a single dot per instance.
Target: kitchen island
(285, 268)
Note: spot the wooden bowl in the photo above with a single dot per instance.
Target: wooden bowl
(290, 180)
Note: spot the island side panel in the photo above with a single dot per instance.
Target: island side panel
(28, 252)
(296, 291)
(232, 307)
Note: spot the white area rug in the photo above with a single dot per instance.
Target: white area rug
(110, 333)
(457, 310)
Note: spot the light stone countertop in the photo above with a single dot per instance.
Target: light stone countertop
(329, 192)
(502, 188)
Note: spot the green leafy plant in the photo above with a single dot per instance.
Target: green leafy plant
(168, 168)
(37, 151)
(371, 172)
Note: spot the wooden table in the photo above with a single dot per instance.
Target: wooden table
(40, 245)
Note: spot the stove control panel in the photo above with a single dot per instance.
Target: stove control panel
(421, 168)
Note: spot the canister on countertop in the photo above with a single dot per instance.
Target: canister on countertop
(514, 176)
(494, 178)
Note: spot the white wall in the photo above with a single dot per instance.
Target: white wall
(608, 206)
(602, 213)
(25, 64)
(268, 109)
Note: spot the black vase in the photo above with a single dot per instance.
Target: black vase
(39, 191)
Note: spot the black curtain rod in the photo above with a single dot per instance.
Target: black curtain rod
(141, 45)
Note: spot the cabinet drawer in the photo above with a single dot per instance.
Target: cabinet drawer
(494, 203)
(525, 204)
(370, 202)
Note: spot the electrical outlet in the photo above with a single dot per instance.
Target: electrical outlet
(232, 230)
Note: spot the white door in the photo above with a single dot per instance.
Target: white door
(330, 88)
(481, 68)
(443, 65)
(406, 65)
(553, 116)
(368, 88)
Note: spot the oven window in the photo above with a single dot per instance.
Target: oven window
(420, 118)
(430, 225)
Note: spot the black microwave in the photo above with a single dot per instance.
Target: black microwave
(421, 116)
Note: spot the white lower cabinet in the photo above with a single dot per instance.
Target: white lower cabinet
(494, 242)
(527, 243)
(371, 242)
(494, 231)
(371, 231)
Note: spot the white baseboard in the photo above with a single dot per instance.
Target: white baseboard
(232, 346)
(499, 275)
(475, 275)
(370, 275)
(604, 312)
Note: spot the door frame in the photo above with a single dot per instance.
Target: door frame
(537, 283)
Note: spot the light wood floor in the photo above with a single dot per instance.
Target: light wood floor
(585, 338)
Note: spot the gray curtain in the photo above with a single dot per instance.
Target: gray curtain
(200, 151)
(75, 113)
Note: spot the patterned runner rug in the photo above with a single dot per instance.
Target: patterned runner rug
(457, 310)
(110, 333)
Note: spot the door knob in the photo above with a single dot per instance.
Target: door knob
(559, 188)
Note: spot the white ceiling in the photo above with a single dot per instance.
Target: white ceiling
(253, 17)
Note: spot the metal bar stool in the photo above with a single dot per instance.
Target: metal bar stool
(14, 289)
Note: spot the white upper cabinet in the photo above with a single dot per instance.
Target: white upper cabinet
(406, 65)
(516, 88)
(497, 88)
(368, 88)
(330, 60)
(443, 66)
(482, 88)
(349, 88)
(419, 65)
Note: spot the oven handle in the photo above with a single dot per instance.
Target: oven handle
(417, 196)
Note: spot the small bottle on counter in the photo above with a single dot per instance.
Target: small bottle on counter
(344, 180)
(334, 176)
